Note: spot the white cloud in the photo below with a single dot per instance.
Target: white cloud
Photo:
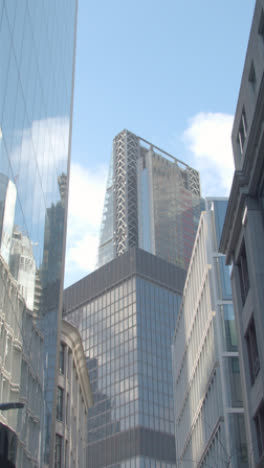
(86, 197)
(81, 254)
(208, 136)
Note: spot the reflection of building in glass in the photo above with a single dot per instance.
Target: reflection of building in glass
(23, 266)
(54, 229)
(37, 42)
(126, 312)
(16, 248)
(243, 235)
(100, 414)
(21, 370)
(209, 414)
(74, 397)
(152, 202)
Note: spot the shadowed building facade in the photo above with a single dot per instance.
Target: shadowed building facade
(243, 235)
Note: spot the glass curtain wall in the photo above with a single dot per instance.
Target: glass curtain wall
(37, 57)
(127, 335)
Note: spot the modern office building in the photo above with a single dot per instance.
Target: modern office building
(126, 312)
(152, 202)
(37, 47)
(209, 414)
(74, 397)
(243, 235)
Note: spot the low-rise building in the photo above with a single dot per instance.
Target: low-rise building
(74, 397)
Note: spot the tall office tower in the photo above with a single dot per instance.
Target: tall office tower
(37, 44)
(126, 313)
(152, 202)
(209, 414)
(243, 235)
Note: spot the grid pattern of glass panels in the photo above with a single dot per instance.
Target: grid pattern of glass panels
(127, 335)
(177, 208)
(110, 341)
(37, 55)
(157, 311)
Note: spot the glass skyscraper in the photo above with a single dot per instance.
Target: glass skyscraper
(126, 312)
(152, 202)
(37, 48)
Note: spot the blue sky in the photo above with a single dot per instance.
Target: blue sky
(168, 71)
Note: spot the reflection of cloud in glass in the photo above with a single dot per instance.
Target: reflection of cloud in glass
(43, 151)
(40, 159)
(8, 196)
(86, 196)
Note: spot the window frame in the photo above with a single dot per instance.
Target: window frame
(259, 427)
(242, 131)
(62, 358)
(59, 404)
(58, 453)
(243, 272)
(252, 350)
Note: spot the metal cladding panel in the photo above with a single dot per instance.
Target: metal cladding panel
(148, 443)
(133, 262)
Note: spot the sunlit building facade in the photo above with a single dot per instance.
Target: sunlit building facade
(126, 312)
(74, 397)
(209, 413)
(37, 46)
(152, 202)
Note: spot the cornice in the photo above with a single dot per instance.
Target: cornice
(73, 337)
(233, 216)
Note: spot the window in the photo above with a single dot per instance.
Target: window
(243, 273)
(67, 409)
(59, 407)
(252, 76)
(66, 454)
(242, 131)
(252, 349)
(58, 452)
(259, 426)
(62, 358)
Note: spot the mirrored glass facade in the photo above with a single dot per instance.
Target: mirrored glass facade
(126, 318)
(152, 202)
(37, 43)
